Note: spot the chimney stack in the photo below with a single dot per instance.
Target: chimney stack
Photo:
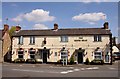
(106, 25)
(6, 27)
(18, 28)
(55, 26)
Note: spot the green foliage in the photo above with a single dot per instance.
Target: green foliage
(72, 60)
(12, 30)
(87, 62)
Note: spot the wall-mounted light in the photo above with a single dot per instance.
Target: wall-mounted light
(85, 53)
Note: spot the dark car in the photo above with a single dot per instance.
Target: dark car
(19, 60)
(31, 60)
(116, 55)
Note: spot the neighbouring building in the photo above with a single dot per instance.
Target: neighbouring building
(51, 45)
(0, 45)
(6, 43)
(116, 46)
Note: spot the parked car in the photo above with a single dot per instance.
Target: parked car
(116, 55)
(19, 60)
(31, 60)
(97, 62)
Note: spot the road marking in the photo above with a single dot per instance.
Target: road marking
(111, 68)
(33, 66)
(82, 68)
(64, 72)
(70, 71)
(34, 71)
(91, 68)
(76, 69)
(20, 65)
(71, 67)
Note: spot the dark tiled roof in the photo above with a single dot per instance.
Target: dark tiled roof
(73, 31)
(0, 34)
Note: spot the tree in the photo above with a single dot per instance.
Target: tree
(12, 30)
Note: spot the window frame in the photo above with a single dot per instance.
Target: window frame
(64, 38)
(97, 38)
(20, 40)
(32, 40)
(98, 55)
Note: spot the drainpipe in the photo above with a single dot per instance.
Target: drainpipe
(2, 52)
(111, 49)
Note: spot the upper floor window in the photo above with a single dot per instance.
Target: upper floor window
(32, 39)
(20, 40)
(97, 38)
(64, 38)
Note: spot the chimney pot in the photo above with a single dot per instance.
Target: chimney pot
(55, 26)
(106, 25)
(18, 28)
(6, 27)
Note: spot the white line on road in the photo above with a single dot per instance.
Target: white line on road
(82, 68)
(91, 68)
(111, 68)
(26, 70)
(64, 72)
(76, 69)
(70, 71)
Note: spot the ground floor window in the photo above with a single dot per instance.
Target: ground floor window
(32, 54)
(20, 54)
(98, 55)
(64, 54)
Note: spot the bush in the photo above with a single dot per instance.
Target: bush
(72, 60)
(97, 61)
(87, 62)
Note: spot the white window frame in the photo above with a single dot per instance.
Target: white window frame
(97, 55)
(64, 38)
(20, 40)
(98, 38)
(32, 39)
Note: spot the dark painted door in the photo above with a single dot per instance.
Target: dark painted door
(44, 56)
(80, 57)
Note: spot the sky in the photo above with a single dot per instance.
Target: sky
(43, 15)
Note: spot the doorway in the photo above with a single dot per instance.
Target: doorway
(80, 57)
(44, 54)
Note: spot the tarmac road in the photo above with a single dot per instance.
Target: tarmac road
(48, 70)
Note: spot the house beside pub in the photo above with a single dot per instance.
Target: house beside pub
(1, 46)
(6, 43)
(52, 45)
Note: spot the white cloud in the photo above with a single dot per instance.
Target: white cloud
(19, 18)
(38, 15)
(40, 26)
(90, 18)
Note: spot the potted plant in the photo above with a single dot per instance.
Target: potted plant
(72, 60)
(87, 62)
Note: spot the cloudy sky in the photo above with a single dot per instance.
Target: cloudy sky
(42, 15)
